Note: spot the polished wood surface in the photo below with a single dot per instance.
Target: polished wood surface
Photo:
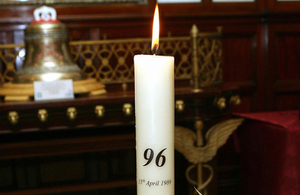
(113, 102)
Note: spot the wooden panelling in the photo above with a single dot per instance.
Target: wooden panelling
(282, 6)
(239, 53)
(287, 101)
(287, 56)
(239, 60)
(284, 71)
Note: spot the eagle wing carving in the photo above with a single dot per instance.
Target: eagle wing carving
(216, 137)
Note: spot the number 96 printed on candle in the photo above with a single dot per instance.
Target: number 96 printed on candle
(160, 159)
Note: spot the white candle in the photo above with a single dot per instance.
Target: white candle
(154, 109)
(154, 114)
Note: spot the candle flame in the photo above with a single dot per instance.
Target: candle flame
(155, 31)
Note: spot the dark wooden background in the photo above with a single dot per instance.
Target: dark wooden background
(260, 39)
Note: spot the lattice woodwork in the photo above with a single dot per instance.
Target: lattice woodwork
(110, 61)
(210, 58)
(197, 58)
(206, 58)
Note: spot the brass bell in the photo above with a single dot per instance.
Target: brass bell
(48, 55)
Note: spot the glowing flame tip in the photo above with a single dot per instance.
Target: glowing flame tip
(155, 31)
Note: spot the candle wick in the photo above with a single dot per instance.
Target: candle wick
(155, 49)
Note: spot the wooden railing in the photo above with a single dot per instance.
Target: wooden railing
(197, 58)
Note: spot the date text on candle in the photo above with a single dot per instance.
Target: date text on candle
(154, 183)
(160, 159)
